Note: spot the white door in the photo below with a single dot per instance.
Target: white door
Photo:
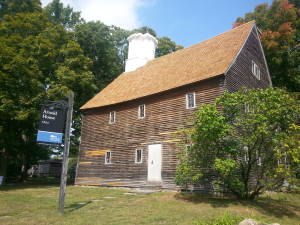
(154, 162)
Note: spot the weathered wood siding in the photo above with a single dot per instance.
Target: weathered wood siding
(164, 114)
(240, 74)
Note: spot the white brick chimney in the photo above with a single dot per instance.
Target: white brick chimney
(141, 49)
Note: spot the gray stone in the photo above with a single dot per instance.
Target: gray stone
(249, 222)
(254, 222)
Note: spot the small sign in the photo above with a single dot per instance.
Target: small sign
(1, 179)
(51, 127)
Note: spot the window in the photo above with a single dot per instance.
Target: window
(142, 111)
(112, 117)
(108, 157)
(255, 70)
(246, 153)
(258, 159)
(138, 155)
(187, 150)
(190, 100)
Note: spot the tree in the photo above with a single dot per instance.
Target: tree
(165, 46)
(98, 44)
(12, 7)
(144, 30)
(38, 61)
(247, 141)
(58, 14)
(280, 26)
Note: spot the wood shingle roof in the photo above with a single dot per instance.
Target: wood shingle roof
(195, 63)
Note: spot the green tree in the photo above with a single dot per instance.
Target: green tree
(245, 140)
(280, 26)
(144, 30)
(12, 7)
(165, 46)
(58, 14)
(99, 45)
(38, 61)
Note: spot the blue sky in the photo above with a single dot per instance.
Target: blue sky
(185, 22)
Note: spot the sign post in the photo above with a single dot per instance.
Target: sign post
(63, 179)
(50, 134)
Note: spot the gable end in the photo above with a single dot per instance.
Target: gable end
(240, 73)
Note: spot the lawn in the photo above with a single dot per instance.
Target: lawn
(36, 201)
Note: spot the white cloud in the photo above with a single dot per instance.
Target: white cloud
(122, 13)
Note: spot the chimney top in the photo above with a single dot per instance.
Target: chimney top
(141, 49)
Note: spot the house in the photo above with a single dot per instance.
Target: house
(127, 132)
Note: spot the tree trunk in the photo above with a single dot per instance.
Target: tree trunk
(23, 171)
(3, 166)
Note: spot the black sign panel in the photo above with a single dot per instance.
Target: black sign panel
(52, 120)
(51, 127)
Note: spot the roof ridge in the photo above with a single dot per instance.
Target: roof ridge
(217, 35)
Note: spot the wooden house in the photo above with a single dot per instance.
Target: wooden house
(127, 132)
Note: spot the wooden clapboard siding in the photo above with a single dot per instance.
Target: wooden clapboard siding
(240, 74)
(165, 113)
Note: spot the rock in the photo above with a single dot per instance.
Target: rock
(249, 222)
(254, 222)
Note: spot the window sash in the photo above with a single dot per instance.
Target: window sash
(255, 70)
(190, 100)
(142, 111)
(246, 153)
(108, 157)
(112, 117)
(187, 149)
(138, 155)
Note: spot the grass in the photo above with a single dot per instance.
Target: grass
(36, 201)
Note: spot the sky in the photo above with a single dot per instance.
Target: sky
(187, 22)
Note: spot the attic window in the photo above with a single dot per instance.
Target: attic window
(255, 70)
(138, 155)
(190, 100)
(142, 111)
(108, 157)
(112, 117)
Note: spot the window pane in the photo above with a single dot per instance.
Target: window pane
(142, 110)
(107, 158)
(191, 100)
(138, 155)
(112, 117)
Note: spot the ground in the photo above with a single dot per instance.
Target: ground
(36, 202)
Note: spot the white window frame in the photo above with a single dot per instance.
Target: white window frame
(187, 147)
(187, 100)
(106, 157)
(136, 150)
(246, 151)
(258, 159)
(139, 112)
(255, 70)
(114, 117)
